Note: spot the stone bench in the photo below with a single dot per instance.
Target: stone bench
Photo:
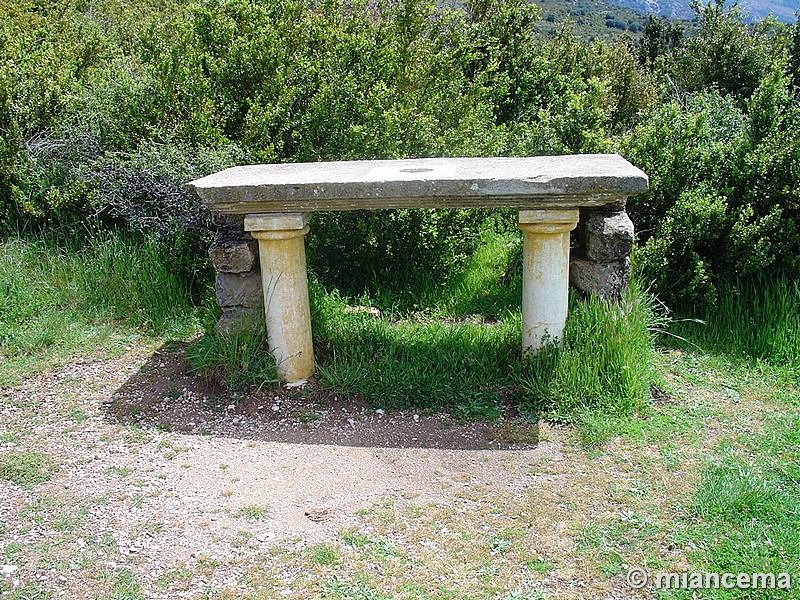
(553, 194)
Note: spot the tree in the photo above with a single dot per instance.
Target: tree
(659, 38)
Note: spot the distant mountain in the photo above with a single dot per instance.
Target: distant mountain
(610, 19)
(783, 10)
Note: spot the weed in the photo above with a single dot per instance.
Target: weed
(215, 404)
(205, 562)
(359, 587)
(239, 359)
(253, 512)
(498, 545)
(150, 528)
(538, 565)
(173, 575)
(120, 472)
(324, 555)
(12, 551)
(71, 521)
(123, 585)
(308, 416)
(355, 539)
(520, 594)
(77, 415)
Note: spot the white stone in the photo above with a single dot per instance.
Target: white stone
(275, 221)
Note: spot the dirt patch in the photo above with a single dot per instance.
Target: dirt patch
(164, 394)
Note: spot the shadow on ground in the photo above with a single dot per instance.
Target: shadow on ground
(165, 395)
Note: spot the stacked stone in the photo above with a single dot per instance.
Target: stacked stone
(600, 265)
(234, 255)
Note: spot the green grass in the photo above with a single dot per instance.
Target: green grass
(103, 292)
(461, 368)
(745, 515)
(460, 350)
(26, 468)
(606, 364)
(240, 359)
(756, 319)
(449, 345)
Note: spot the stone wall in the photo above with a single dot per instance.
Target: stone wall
(599, 264)
(234, 255)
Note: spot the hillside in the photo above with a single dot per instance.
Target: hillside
(592, 19)
(783, 10)
(589, 19)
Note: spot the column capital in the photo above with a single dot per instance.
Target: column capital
(548, 221)
(279, 234)
(276, 222)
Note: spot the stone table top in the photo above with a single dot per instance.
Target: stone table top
(526, 183)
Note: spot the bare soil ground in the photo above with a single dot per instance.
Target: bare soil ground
(167, 487)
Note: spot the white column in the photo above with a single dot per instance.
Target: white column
(282, 254)
(545, 275)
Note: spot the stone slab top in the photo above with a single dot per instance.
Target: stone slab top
(525, 183)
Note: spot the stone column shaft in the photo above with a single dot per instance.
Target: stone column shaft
(282, 255)
(545, 275)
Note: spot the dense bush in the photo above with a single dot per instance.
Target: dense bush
(725, 190)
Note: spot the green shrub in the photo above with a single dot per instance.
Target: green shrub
(724, 191)
(659, 39)
(360, 250)
(727, 54)
(106, 110)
